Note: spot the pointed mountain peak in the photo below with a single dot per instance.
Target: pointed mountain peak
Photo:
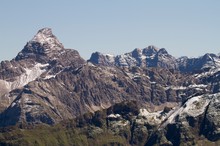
(45, 36)
(44, 43)
(150, 50)
(152, 47)
(137, 52)
(102, 59)
(162, 51)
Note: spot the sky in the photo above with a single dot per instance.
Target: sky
(185, 28)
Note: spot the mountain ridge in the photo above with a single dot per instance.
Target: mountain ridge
(154, 57)
(48, 84)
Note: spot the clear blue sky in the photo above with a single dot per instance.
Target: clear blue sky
(187, 27)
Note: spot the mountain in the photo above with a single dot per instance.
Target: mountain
(42, 57)
(205, 62)
(147, 57)
(154, 57)
(145, 97)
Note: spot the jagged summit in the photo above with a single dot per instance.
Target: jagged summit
(42, 34)
(46, 36)
(150, 50)
(150, 56)
(44, 43)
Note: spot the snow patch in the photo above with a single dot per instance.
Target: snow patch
(196, 86)
(153, 118)
(50, 76)
(209, 73)
(110, 58)
(114, 116)
(194, 107)
(30, 75)
(13, 104)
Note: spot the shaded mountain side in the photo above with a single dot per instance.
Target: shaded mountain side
(75, 91)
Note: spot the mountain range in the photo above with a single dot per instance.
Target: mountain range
(152, 56)
(144, 97)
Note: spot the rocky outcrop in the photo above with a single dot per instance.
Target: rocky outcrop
(211, 122)
(190, 123)
(106, 60)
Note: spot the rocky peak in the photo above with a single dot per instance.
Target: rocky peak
(150, 50)
(45, 36)
(209, 57)
(95, 57)
(147, 57)
(162, 51)
(195, 65)
(99, 58)
(210, 61)
(137, 53)
(44, 43)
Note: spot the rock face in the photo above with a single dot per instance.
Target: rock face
(106, 60)
(206, 62)
(42, 57)
(43, 44)
(176, 100)
(188, 122)
(74, 91)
